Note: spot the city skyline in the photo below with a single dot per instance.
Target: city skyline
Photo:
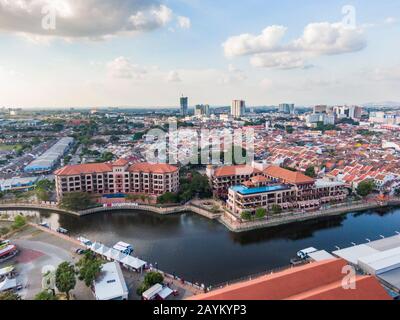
(277, 53)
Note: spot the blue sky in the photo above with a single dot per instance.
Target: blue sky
(150, 52)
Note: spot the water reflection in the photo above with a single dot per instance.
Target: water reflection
(294, 231)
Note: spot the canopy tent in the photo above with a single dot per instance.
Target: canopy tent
(134, 263)
(102, 250)
(8, 284)
(96, 246)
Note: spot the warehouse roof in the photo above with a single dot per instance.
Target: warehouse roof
(314, 281)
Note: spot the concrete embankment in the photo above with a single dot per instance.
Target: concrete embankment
(18, 206)
(154, 209)
(233, 225)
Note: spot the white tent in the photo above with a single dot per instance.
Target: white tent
(8, 284)
(134, 263)
(96, 246)
(102, 250)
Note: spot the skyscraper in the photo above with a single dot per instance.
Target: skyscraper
(238, 108)
(184, 106)
(286, 108)
(202, 110)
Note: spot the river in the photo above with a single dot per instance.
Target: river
(204, 251)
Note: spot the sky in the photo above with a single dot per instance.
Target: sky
(147, 53)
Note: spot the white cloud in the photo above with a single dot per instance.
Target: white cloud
(151, 19)
(184, 22)
(173, 76)
(327, 39)
(122, 68)
(233, 75)
(90, 19)
(246, 44)
(281, 60)
(390, 20)
(267, 51)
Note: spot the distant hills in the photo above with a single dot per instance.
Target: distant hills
(384, 104)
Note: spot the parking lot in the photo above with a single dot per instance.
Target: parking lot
(39, 250)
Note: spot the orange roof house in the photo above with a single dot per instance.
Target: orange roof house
(314, 281)
(287, 176)
(156, 168)
(229, 171)
(88, 168)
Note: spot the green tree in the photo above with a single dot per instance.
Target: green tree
(42, 194)
(45, 184)
(276, 209)
(89, 268)
(246, 215)
(76, 201)
(9, 295)
(45, 295)
(310, 172)
(19, 222)
(4, 231)
(168, 198)
(365, 188)
(261, 213)
(65, 278)
(151, 279)
(289, 129)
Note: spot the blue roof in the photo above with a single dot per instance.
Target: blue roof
(248, 191)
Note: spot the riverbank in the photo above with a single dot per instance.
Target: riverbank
(235, 225)
(231, 222)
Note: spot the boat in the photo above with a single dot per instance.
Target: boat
(124, 247)
(303, 254)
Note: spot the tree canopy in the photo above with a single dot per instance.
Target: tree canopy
(65, 278)
(45, 295)
(76, 201)
(310, 172)
(151, 279)
(365, 188)
(89, 267)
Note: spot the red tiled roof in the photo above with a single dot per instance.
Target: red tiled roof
(287, 175)
(158, 168)
(120, 163)
(107, 167)
(84, 169)
(315, 281)
(235, 171)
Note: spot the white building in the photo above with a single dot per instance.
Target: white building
(238, 108)
(111, 284)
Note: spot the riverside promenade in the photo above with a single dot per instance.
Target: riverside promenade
(230, 221)
(236, 224)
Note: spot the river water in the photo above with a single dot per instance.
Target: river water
(204, 251)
